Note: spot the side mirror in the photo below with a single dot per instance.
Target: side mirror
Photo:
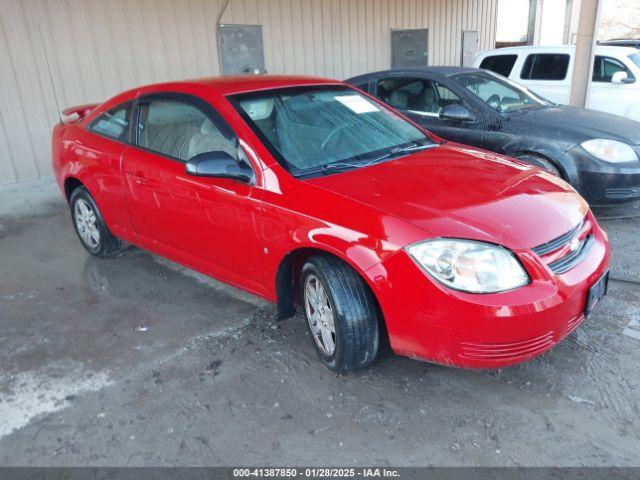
(622, 77)
(457, 112)
(220, 165)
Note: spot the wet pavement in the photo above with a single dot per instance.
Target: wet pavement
(136, 361)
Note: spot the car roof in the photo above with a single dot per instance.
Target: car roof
(447, 71)
(620, 41)
(229, 85)
(442, 71)
(600, 49)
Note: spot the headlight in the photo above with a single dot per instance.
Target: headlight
(469, 265)
(611, 151)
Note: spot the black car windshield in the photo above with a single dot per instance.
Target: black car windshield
(501, 95)
(323, 129)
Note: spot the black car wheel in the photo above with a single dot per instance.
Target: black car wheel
(341, 313)
(89, 225)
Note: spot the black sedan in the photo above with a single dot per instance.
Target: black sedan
(596, 152)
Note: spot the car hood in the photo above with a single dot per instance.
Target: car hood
(463, 192)
(565, 123)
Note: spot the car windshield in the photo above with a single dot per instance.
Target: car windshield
(635, 58)
(323, 129)
(501, 95)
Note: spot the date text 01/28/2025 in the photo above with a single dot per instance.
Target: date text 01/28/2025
(316, 472)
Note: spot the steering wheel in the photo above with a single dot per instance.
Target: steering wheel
(332, 135)
(494, 101)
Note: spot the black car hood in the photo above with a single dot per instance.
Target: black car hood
(574, 125)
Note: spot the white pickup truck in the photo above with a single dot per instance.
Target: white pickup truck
(615, 85)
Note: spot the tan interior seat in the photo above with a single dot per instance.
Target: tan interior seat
(429, 101)
(209, 139)
(171, 138)
(399, 99)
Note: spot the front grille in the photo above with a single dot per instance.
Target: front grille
(574, 322)
(569, 261)
(573, 251)
(556, 243)
(622, 193)
(504, 351)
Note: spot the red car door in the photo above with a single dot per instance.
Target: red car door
(210, 224)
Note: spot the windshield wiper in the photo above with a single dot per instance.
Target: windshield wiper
(412, 148)
(398, 150)
(329, 167)
(337, 166)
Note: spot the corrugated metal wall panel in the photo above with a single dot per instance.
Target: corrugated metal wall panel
(97, 48)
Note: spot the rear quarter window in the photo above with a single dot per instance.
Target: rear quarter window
(545, 66)
(500, 64)
(113, 123)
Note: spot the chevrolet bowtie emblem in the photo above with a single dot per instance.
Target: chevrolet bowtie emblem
(575, 243)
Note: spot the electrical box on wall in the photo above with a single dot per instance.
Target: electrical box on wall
(409, 48)
(241, 49)
(469, 47)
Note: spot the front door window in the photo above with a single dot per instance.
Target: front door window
(420, 96)
(605, 67)
(179, 130)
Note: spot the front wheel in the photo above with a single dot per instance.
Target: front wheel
(89, 225)
(341, 313)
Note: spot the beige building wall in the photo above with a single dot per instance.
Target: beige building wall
(97, 48)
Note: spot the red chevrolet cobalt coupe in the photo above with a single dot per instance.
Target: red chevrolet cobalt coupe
(308, 192)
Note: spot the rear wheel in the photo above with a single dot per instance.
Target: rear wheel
(89, 225)
(542, 163)
(341, 313)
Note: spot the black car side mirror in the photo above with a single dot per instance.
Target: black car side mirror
(220, 165)
(457, 112)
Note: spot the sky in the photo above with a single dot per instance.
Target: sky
(513, 18)
(618, 19)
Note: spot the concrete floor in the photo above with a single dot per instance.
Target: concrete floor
(136, 361)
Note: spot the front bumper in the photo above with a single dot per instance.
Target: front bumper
(429, 321)
(601, 182)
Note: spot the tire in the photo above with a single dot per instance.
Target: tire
(542, 163)
(350, 305)
(89, 225)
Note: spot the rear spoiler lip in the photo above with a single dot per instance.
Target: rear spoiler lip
(80, 110)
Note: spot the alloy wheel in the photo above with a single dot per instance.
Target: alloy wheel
(86, 223)
(320, 315)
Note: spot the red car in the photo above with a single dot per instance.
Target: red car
(309, 192)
